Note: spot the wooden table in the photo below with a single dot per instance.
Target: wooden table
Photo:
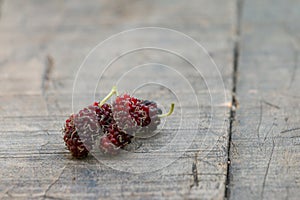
(252, 151)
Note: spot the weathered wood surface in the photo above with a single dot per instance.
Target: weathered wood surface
(42, 45)
(265, 146)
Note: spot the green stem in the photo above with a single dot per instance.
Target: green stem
(168, 113)
(112, 92)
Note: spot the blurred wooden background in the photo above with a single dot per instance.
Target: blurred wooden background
(255, 155)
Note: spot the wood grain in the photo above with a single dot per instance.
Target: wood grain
(42, 45)
(265, 151)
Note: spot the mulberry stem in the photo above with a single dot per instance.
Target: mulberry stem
(112, 92)
(168, 113)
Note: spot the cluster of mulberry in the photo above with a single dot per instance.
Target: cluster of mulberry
(110, 127)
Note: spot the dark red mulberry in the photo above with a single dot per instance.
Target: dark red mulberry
(117, 123)
(134, 115)
(114, 140)
(81, 130)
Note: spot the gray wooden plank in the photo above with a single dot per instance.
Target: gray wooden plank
(45, 41)
(265, 151)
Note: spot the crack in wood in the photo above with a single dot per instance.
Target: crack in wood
(232, 118)
(260, 120)
(6, 192)
(236, 55)
(195, 172)
(54, 182)
(290, 130)
(267, 170)
(296, 60)
(46, 81)
(46, 77)
(270, 104)
(266, 136)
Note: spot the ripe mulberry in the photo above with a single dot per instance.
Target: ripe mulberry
(117, 124)
(134, 115)
(81, 130)
(114, 140)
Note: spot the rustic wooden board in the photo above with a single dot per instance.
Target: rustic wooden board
(42, 45)
(265, 150)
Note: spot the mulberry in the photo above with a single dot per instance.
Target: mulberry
(134, 115)
(114, 140)
(81, 130)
